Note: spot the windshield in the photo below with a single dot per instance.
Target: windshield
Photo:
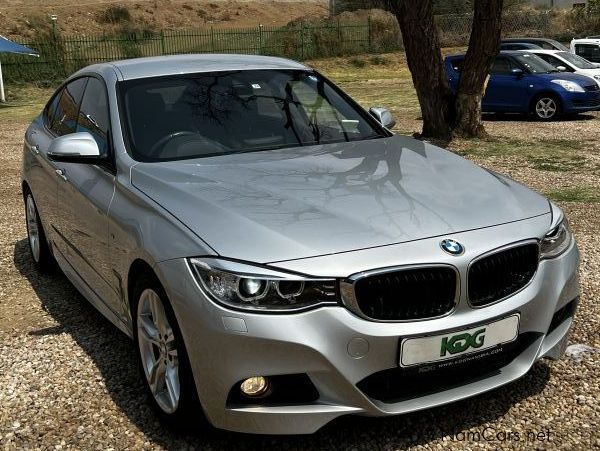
(535, 64)
(576, 60)
(554, 45)
(206, 114)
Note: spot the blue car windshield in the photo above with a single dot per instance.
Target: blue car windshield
(534, 64)
(207, 114)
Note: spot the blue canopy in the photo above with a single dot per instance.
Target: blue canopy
(8, 46)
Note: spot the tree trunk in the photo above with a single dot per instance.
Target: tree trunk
(484, 45)
(424, 58)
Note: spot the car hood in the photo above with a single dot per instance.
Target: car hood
(589, 72)
(299, 202)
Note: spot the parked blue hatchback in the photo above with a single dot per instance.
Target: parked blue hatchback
(521, 82)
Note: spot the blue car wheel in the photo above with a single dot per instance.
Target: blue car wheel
(546, 107)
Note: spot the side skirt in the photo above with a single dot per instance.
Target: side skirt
(89, 294)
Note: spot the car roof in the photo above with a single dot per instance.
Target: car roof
(553, 51)
(193, 63)
(589, 40)
(528, 40)
(502, 52)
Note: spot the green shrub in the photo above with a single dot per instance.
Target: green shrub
(115, 14)
(378, 60)
(357, 62)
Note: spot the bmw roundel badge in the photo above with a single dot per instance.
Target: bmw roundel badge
(452, 247)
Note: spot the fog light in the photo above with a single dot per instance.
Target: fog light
(254, 386)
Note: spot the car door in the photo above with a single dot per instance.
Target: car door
(58, 118)
(84, 195)
(505, 90)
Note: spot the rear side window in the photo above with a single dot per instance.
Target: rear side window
(65, 116)
(501, 66)
(590, 52)
(93, 113)
(50, 110)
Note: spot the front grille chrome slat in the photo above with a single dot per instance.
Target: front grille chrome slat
(407, 294)
(501, 274)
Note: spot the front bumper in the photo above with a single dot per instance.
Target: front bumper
(227, 346)
(579, 102)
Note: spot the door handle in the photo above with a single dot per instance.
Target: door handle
(61, 174)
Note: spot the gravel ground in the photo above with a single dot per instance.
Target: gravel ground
(68, 378)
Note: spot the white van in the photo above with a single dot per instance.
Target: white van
(588, 48)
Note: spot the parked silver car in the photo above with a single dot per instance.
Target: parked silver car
(278, 255)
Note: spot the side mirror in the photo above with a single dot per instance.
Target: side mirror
(75, 148)
(383, 116)
(561, 68)
(517, 72)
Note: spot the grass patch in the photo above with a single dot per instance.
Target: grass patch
(555, 155)
(576, 194)
(357, 62)
(23, 102)
(557, 163)
(548, 148)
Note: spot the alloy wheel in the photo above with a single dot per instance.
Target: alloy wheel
(158, 350)
(546, 107)
(33, 231)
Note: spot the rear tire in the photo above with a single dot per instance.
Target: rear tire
(36, 237)
(546, 107)
(163, 360)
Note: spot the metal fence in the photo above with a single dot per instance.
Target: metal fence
(61, 55)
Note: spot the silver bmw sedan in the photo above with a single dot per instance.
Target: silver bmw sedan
(279, 257)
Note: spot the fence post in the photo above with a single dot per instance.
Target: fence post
(260, 39)
(369, 33)
(212, 40)
(301, 40)
(162, 42)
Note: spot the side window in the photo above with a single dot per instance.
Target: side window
(550, 59)
(556, 62)
(457, 64)
(65, 120)
(590, 52)
(93, 114)
(501, 66)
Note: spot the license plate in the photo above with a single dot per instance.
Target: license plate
(435, 348)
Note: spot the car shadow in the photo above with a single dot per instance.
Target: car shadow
(115, 357)
(516, 117)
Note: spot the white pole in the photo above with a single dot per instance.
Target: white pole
(2, 98)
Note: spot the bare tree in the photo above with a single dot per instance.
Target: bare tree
(484, 45)
(424, 57)
(445, 114)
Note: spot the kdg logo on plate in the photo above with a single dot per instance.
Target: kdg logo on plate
(461, 342)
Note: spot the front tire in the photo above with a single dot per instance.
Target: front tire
(546, 107)
(36, 237)
(163, 359)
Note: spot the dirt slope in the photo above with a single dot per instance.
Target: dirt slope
(23, 19)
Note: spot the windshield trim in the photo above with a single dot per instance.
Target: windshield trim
(123, 122)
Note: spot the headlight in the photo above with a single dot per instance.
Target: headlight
(249, 287)
(557, 241)
(569, 85)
